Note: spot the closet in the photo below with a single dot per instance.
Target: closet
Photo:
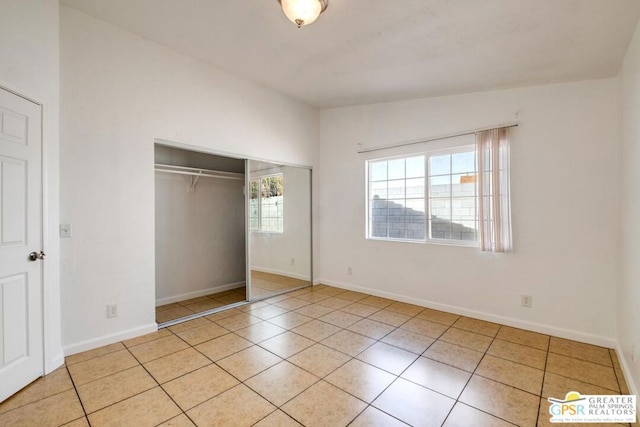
(200, 232)
(228, 230)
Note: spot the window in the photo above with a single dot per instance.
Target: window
(266, 204)
(425, 197)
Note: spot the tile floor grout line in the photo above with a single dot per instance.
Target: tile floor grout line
(585, 360)
(583, 381)
(544, 376)
(615, 372)
(73, 383)
(99, 355)
(469, 380)
(457, 399)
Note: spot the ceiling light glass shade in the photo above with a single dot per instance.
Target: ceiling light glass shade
(303, 12)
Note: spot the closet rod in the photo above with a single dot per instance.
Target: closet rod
(435, 138)
(206, 173)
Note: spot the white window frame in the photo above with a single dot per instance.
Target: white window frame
(261, 228)
(461, 148)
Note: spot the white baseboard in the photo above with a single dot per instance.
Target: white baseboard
(199, 293)
(281, 273)
(626, 371)
(109, 339)
(509, 321)
(54, 363)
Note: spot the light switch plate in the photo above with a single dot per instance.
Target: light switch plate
(65, 230)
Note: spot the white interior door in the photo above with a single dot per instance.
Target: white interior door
(21, 357)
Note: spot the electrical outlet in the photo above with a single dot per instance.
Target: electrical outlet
(112, 311)
(349, 271)
(526, 301)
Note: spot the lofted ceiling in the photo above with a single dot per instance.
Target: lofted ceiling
(365, 51)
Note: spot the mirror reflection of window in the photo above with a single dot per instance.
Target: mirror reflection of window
(266, 204)
(254, 200)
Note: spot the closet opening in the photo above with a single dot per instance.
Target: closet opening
(200, 232)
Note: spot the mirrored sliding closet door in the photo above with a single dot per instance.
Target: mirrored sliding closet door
(279, 205)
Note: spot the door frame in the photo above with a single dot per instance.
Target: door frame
(44, 240)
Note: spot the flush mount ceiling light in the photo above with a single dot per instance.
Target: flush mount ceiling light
(303, 12)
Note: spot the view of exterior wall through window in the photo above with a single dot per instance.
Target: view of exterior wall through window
(402, 189)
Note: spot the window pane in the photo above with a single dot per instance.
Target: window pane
(440, 207)
(415, 167)
(463, 230)
(415, 207)
(396, 211)
(463, 162)
(378, 171)
(439, 186)
(452, 197)
(415, 188)
(378, 190)
(440, 165)
(396, 169)
(463, 208)
(440, 227)
(396, 189)
(397, 219)
(379, 218)
(460, 187)
(414, 219)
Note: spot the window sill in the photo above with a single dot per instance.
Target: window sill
(266, 232)
(439, 242)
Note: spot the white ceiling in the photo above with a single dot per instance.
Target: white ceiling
(364, 51)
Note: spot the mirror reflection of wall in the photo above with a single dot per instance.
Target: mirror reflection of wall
(280, 228)
(200, 232)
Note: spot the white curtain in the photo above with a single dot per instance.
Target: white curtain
(494, 201)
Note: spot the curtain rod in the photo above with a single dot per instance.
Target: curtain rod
(435, 138)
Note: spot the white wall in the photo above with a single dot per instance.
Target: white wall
(200, 236)
(119, 92)
(629, 289)
(565, 160)
(272, 252)
(30, 66)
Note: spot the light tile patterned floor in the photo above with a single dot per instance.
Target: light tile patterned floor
(319, 356)
(262, 285)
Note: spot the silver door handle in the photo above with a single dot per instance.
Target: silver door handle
(34, 256)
